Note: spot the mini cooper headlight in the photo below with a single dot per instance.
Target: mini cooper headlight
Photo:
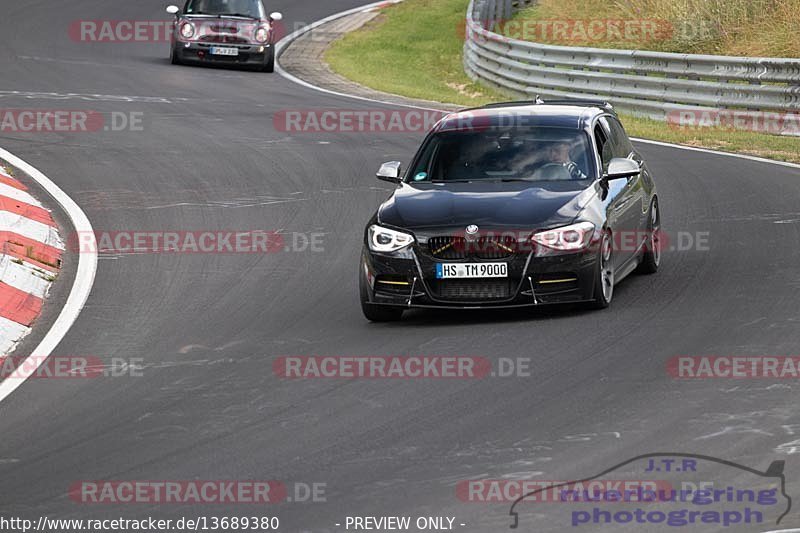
(187, 30)
(262, 34)
(387, 240)
(569, 238)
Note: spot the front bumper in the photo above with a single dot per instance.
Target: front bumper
(256, 55)
(409, 280)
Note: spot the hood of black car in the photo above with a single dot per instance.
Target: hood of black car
(517, 205)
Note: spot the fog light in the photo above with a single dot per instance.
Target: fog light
(260, 49)
(187, 45)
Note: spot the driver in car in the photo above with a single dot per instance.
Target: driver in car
(557, 153)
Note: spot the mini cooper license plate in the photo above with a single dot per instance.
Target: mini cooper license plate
(471, 270)
(224, 51)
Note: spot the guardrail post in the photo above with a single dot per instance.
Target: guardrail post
(507, 9)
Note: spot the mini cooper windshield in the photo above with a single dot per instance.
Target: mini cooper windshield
(237, 8)
(505, 154)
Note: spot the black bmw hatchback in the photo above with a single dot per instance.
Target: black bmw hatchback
(510, 205)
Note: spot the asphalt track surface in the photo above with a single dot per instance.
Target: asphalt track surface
(209, 326)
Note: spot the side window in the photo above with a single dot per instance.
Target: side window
(423, 171)
(603, 146)
(620, 144)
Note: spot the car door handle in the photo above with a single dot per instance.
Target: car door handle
(621, 206)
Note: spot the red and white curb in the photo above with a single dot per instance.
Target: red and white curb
(81, 286)
(30, 257)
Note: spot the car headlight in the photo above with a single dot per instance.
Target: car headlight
(187, 30)
(388, 240)
(569, 238)
(262, 34)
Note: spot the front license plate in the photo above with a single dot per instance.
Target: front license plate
(471, 270)
(223, 51)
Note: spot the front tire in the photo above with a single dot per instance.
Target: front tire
(173, 57)
(651, 258)
(381, 313)
(376, 313)
(604, 283)
(269, 66)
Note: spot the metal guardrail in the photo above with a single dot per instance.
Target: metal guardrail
(642, 82)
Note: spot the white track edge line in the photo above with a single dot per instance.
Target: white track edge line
(717, 152)
(81, 287)
(286, 41)
(289, 39)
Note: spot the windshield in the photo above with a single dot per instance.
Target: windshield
(243, 8)
(505, 154)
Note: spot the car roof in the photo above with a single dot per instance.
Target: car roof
(571, 114)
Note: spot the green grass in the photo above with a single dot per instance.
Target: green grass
(414, 49)
(727, 27)
(758, 144)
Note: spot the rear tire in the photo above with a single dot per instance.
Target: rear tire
(604, 283)
(651, 258)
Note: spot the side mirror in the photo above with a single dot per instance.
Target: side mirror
(621, 167)
(276, 15)
(390, 171)
(173, 10)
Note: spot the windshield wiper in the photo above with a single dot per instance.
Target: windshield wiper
(240, 15)
(488, 180)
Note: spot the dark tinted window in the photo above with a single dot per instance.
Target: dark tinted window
(496, 153)
(247, 8)
(604, 147)
(620, 145)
